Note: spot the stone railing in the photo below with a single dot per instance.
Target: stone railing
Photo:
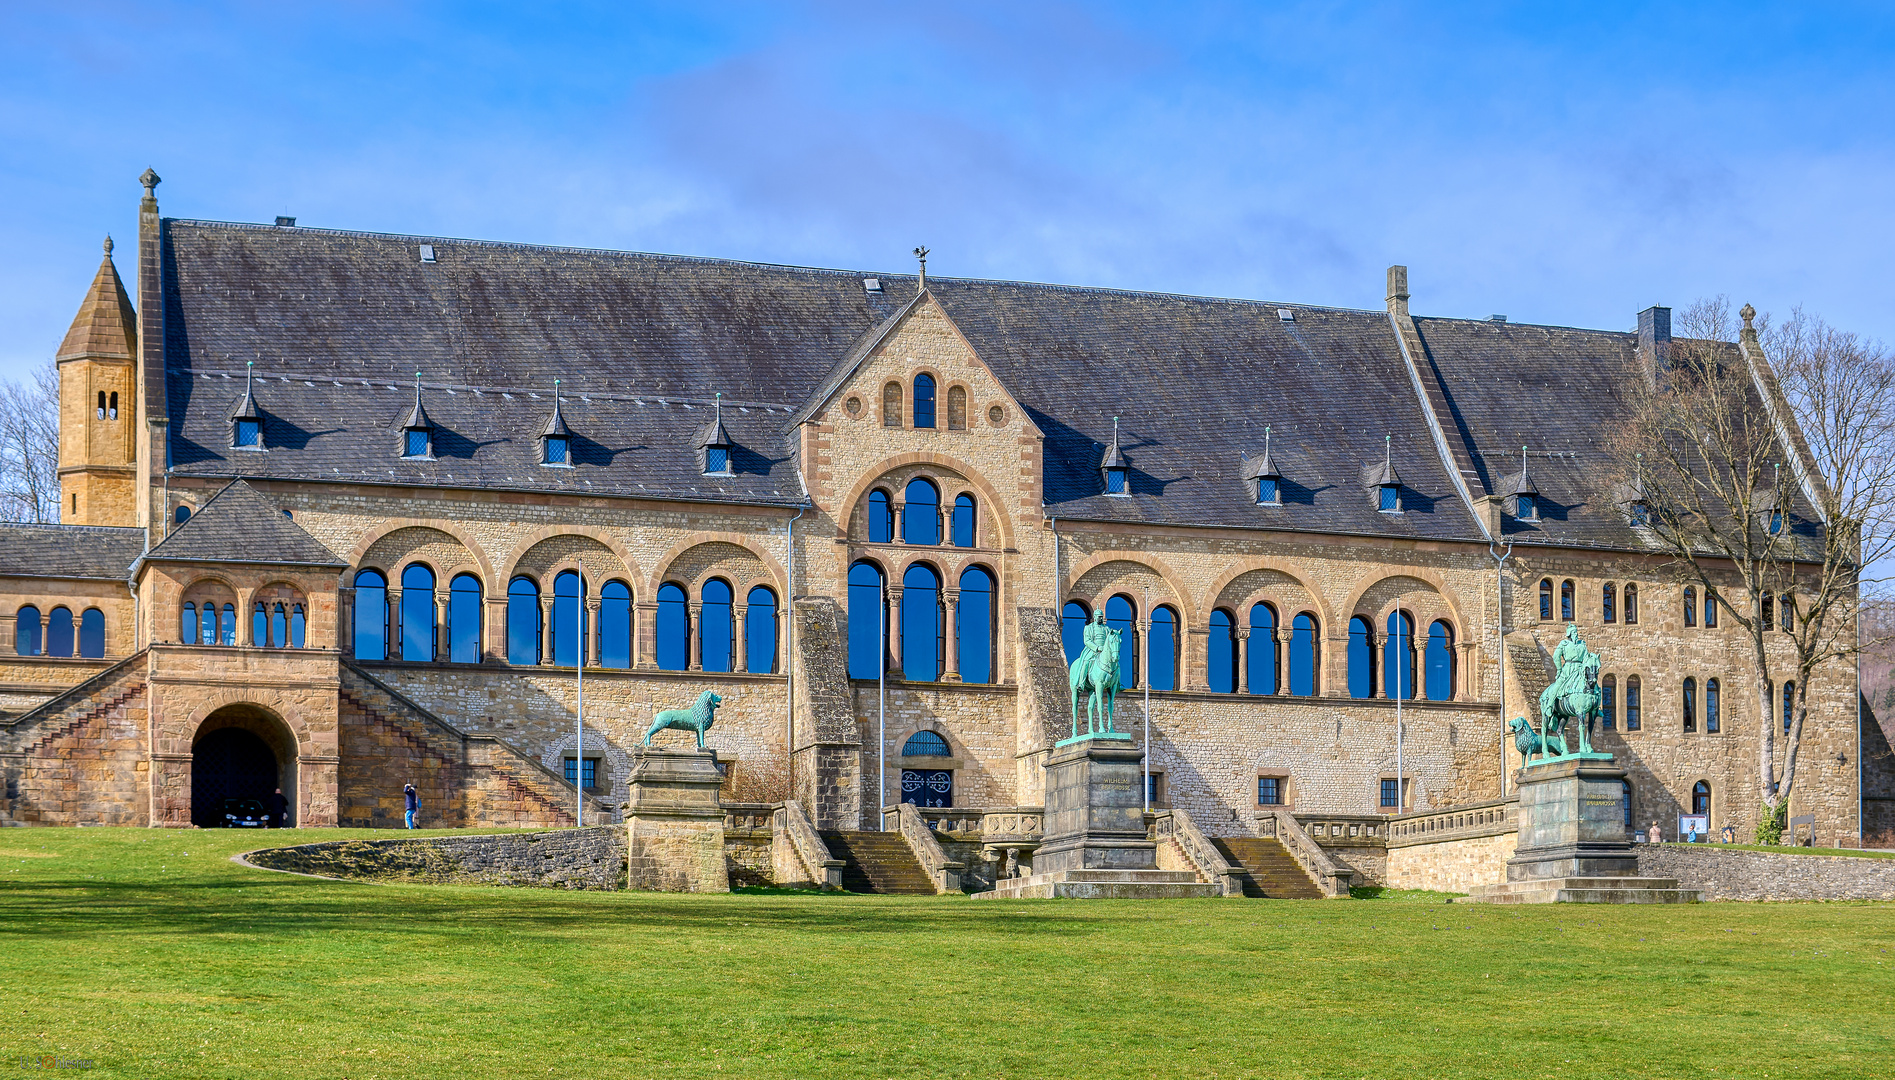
(1175, 828)
(962, 823)
(943, 871)
(797, 854)
(748, 817)
(1345, 830)
(1333, 880)
(1009, 834)
(1495, 818)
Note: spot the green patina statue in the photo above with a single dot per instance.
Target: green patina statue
(697, 718)
(1573, 695)
(1096, 672)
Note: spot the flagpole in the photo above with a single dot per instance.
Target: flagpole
(579, 704)
(881, 722)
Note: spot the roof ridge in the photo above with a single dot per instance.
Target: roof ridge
(472, 388)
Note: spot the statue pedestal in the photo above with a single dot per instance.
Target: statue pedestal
(1095, 845)
(674, 823)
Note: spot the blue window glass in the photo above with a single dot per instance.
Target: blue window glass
(59, 632)
(26, 631)
(964, 521)
(260, 624)
(1391, 795)
(1439, 663)
(921, 517)
(1625, 797)
(1398, 657)
(92, 634)
(1122, 616)
(615, 625)
(1690, 702)
(1115, 481)
(416, 443)
(1072, 629)
(1609, 603)
(523, 621)
(1710, 611)
(1391, 498)
(1608, 703)
(1361, 658)
(716, 460)
(227, 626)
(921, 620)
(760, 632)
(250, 433)
(1789, 705)
(1262, 652)
(555, 450)
(1712, 706)
(1776, 522)
(1633, 704)
(1566, 601)
(570, 618)
(417, 612)
(207, 625)
(588, 769)
(925, 744)
(1221, 653)
(1641, 515)
(279, 627)
(714, 625)
(371, 616)
(1690, 606)
(187, 629)
(1267, 491)
(924, 401)
(1164, 649)
(1304, 655)
(975, 626)
(674, 629)
(1269, 791)
(463, 619)
(181, 515)
(881, 518)
(1546, 599)
(299, 625)
(866, 619)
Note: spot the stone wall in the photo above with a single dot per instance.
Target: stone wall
(80, 759)
(590, 858)
(1454, 865)
(1723, 874)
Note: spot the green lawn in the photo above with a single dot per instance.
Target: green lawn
(118, 947)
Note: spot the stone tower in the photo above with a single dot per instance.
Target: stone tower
(98, 406)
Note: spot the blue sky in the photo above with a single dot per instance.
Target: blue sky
(1559, 163)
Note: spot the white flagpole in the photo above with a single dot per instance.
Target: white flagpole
(881, 722)
(1401, 778)
(579, 705)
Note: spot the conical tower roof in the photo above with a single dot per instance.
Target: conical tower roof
(106, 324)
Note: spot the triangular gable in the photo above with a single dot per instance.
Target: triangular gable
(239, 525)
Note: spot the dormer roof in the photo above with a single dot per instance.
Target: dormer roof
(247, 405)
(418, 416)
(555, 426)
(240, 525)
(1383, 474)
(1523, 483)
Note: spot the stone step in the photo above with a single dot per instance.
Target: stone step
(1584, 890)
(1268, 869)
(1104, 885)
(878, 862)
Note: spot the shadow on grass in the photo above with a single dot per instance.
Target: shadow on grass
(1413, 896)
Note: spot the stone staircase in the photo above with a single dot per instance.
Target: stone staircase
(1583, 890)
(878, 862)
(1267, 868)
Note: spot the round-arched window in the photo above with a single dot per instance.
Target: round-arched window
(925, 744)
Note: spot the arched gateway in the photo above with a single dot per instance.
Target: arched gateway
(240, 752)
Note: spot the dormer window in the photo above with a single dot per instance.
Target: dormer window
(1526, 508)
(1113, 467)
(1776, 522)
(417, 435)
(1267, 492)
(415, 443)
(1115, 482)
(555, 436)
(1260, 473)
(1385, 481)
(556, 451)
(1389, 499)
(717, 461)
(249, 435)
(714, 445)
(246, 423)
(1639, 512)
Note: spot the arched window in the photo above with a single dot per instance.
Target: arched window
(1631, 604)
(1710, 610)
(1546, 599)
(59, 632)
(715, 626)
(417, 612)
(975, 626)
(1566, 601)
(1689, 700)
(924, 401)
(1712, 707)
(1789, 705)
(299, 627)
(523, 621)
(227, 626)
(963, 520)
(921, 619)
(111, 409)
(1221, 653)
(371, 616)
(1690, 606)
(1608, 703)
(1361, 658)
(921, 517)
(260, 624)
(615, 625)
(207, 624)
(1122, 615)
(925, 744)
(957, 408)
(1700, 798)
(867, 640)
(1305, 655)
(187, 624)
(1625, 797)
(1439, 680)
(1633, 702)
(101, 414)
(881, 518)
(1786, 615)
(571, 620)
(26, 632)
(463, 619)
(1164, 649)
(760, 632)
(1262, 655)
(1072, 629)
(1609, 602)
(891, 405)
(181, 515)
(674, 628)
(1398, 657)
(280, 626)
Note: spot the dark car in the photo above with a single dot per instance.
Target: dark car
(244, 814)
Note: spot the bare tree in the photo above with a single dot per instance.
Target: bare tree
(29, 447)
(1721, 440)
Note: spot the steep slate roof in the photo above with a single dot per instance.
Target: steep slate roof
(81, 551)
(239, 525)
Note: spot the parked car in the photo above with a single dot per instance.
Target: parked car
(245, 814)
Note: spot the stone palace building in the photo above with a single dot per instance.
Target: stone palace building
(346, 510)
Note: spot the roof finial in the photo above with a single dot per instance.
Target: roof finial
(108, 243)
(1266, 440)
(150, 179)
(1747, 313)
(1388, 450)
(921, 256)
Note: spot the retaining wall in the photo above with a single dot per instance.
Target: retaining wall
(592, 858)
(1722, 874)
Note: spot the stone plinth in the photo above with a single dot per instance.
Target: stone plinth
(674, 824)
(1584, 890)
(1095, 808)
(1572, 821)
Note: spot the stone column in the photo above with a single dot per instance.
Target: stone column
(393, 651)
(740, 633)
(953, 599)
(694, 628)
(942, 519)
(493, 644)
(592, 631)
(443, 630)
(645, 634)
(345, 620)
(901, 521)
(546, 630)
(1242, 649)
(894, 631)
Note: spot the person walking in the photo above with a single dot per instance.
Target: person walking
(413, 802)
(1655, 837)
(279, 808)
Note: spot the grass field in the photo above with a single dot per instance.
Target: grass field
(150, 954)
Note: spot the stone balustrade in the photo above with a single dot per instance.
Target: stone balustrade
(1494, 818)
(748, 817)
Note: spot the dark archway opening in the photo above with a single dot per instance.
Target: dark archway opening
(230, 763)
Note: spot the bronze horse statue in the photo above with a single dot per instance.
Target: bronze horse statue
(1099, 678)
(1574, 696)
